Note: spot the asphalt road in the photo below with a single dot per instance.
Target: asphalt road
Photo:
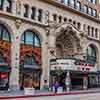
(94, 96)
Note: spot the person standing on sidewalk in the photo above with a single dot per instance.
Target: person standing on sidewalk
(55, 86)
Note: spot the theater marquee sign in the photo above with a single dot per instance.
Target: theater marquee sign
(72, 64)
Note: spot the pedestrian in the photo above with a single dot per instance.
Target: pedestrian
(55, 86)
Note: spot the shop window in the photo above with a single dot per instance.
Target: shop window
(91, 55)
(40, 15)
(33, 15)
(26, 7)
(9, 5)
(1, 4)
(4, 34)
(30, 38)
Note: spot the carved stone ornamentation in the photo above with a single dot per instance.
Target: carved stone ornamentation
(18, 23)
(18, 7)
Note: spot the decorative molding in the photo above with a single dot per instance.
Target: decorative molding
(18, 23)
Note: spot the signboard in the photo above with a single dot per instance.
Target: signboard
(70, 64)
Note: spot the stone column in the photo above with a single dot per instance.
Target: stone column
(14, 76)
(68, 81)
(43, 17)
(45, 66)
(14, 7)
(29, 12)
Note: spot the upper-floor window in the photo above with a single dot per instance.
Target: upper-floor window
(60, 19)
(65, 19)
(30, 60)
(93, 1)
(26, 7)
(2, 60)
(88, 29)
(78, 6)
(1, 4)
(85, 9)
(94, 13)
(89, 10)
(30, 38)
(4, 34)
(65, 1)
(72, 3)
(33, 15)
(54, 17)
(91, 54)
(40, 15)
(96, 33)
(9, 5)
(92, 33)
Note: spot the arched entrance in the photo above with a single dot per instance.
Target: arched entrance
(5, 57)
(30, 60)
(68, 47)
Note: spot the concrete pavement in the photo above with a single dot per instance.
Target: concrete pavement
(95, 96)
(44, 93)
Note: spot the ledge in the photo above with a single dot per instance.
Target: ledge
(65, 7)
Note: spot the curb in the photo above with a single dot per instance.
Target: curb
(43, 95)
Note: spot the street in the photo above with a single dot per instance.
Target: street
(94, 96)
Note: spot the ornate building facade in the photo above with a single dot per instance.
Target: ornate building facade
(38, 36)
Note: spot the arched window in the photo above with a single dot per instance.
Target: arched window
(4, 34)
(1, 58)
(91, 54)
(30, 38)
(29, 60)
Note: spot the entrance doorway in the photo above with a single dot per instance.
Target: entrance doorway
(31, 79)
(77, 82)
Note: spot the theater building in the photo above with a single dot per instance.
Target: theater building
(41, 38)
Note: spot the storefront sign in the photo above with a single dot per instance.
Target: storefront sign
(3, 76)
(70, 64)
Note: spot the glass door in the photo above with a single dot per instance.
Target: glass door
(31, 79)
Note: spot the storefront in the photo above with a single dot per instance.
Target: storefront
(77, 74)
(30, 60)
(4, 76)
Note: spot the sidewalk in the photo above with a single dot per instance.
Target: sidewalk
(41, 93)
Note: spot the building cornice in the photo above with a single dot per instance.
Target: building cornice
(23, 19)
(63, 6)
